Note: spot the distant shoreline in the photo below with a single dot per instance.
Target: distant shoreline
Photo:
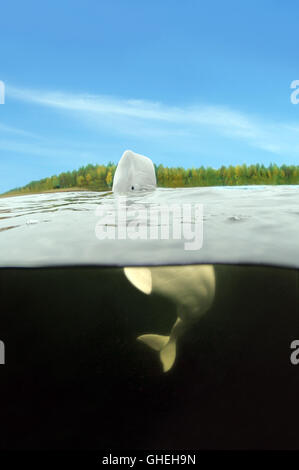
(58, 190)
(100, 178)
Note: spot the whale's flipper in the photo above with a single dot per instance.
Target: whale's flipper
(165, 345)
(141, 278)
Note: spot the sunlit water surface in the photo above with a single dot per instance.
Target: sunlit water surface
(254, 224)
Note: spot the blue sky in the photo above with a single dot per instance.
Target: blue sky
(187, 83)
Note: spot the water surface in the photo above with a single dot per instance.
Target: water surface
(254, 224)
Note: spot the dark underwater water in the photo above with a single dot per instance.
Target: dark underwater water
(76, 378)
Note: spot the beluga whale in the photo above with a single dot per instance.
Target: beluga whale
(134, 172)
(191, 288)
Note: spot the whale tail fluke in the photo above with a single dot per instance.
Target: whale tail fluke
(167, 355)
(164, 345)
(156, 342)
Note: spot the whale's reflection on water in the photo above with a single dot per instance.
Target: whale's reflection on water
(76, 378)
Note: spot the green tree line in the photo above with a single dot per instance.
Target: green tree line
(100, 177)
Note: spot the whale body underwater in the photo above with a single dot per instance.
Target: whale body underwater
(191, 288)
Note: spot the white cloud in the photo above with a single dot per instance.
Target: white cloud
(146, 118)
(13, 130)
(44, 150)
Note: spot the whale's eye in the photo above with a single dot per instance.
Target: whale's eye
(132, 188)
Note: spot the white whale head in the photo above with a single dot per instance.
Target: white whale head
(191, 288)
(134, 172)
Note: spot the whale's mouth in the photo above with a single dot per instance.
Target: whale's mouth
(136, 190)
